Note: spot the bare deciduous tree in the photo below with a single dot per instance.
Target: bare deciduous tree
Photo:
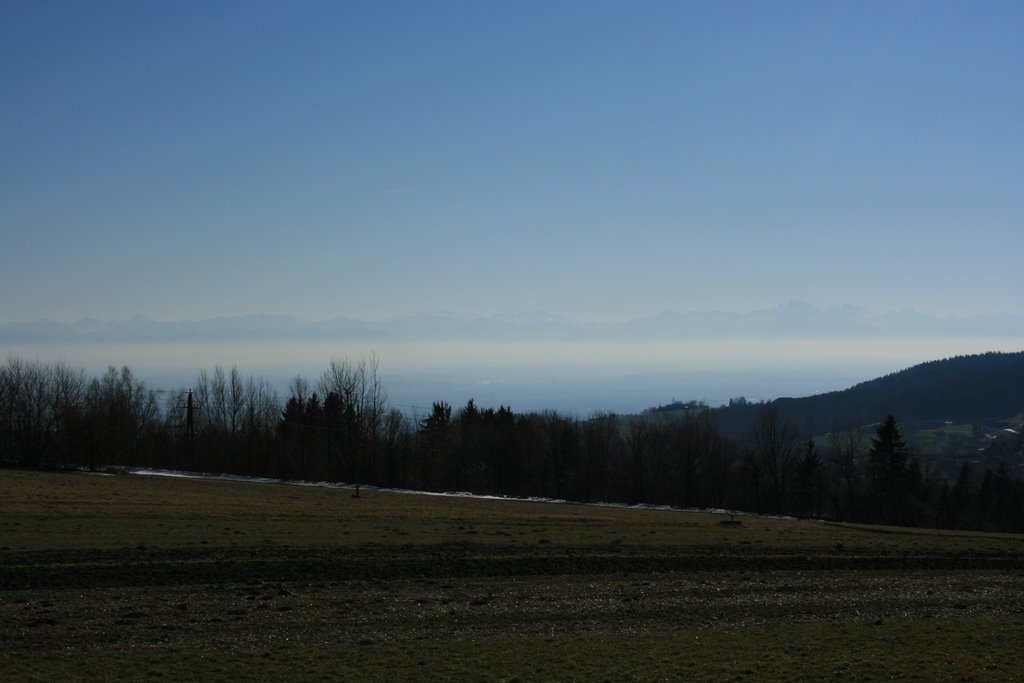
(846, 447)
(776, 438)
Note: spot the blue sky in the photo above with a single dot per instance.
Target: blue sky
(597, 160)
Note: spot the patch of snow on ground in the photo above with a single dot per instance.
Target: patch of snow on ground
(154, 472)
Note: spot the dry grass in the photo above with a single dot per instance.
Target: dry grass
(130, 577)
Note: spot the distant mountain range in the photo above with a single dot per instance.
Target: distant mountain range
(795, 319)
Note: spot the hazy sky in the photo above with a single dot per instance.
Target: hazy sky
(598, 160)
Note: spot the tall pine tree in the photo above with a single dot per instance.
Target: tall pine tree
(890, 476)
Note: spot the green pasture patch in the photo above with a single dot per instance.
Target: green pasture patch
(860, 651)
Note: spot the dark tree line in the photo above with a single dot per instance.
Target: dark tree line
(341, 428)
(964, 388)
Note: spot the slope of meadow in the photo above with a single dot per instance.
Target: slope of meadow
(126, 577)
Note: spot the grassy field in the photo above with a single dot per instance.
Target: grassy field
(132, 577)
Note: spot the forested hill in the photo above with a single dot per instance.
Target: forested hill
(961, 389)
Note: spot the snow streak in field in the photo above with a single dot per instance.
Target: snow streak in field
(153, 472)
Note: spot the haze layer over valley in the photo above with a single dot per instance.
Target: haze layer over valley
(537, 361)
